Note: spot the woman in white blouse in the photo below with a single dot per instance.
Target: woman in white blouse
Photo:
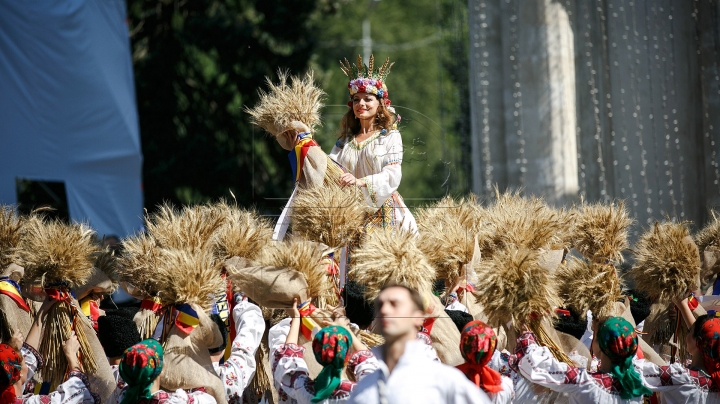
(370, 147)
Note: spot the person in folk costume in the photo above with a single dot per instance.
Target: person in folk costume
(141, 368)
(698, 382)
(20, 361)
(369, 150)
(239, 368)
(331, 347)
(477, 345)
(616, 380)
(370, 147)
(406, 373)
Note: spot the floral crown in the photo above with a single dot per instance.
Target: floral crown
(367, 78)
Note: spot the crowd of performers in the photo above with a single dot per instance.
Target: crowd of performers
(348, 296)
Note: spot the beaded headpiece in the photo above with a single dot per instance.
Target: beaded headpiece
(367, 78)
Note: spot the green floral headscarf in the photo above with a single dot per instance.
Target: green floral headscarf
(141, 364)
(618, 340)
(330, 346)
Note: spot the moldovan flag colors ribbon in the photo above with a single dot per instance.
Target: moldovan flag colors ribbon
(11, 289)
(152, 304)
(187, 318)
(307, 324)
(90, 309)
(297, 156)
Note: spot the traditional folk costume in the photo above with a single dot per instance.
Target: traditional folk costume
(377, 160)
(622, 384)
(679, 384)
(330, 348)
(75, 390)
(477, 345)
(140, 366)
(238, 370)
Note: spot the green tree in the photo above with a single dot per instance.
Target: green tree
(197, 63)
(428, 84)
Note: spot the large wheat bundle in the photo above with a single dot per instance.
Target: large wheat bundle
(587, 286)
(300, 100)
(523, 222)
(329, 214)
(244, 234)
(60, 256)
(10, 232)
(709, 236)
(449, 229)
(601, 231)
(304, 257)
(516, 289)
(385, 256)
(193, 228)
(667, 263)
(189, 278)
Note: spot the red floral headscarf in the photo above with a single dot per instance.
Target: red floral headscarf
(477, 345)
(709, 346)
(11, 364)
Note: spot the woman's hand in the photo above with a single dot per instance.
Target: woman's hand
(294, 333)
(16, 341)
(71, 347)
(291, 138)
(349, 179)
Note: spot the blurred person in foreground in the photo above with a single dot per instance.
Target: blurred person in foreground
(406, 374)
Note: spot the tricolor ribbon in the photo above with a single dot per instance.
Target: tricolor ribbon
(90, 309)
(187, 318)
(307, 324)
(11, 289)
(692, 302)
(60, 292)
(297, 156)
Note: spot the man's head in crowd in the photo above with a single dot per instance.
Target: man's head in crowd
(399, 312)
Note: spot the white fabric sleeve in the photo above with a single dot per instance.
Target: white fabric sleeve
(291, 374)
(662, 378)
(31, 361)
(382, 185)
(539, 366)
(180, 396)
(278, 334)
(507, 395)
(239, 368)
(363, 363)
(73, 391)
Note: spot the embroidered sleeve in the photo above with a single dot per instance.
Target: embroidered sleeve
(291, 375)
(40, 360)
(363, 363)
(539, 366)
(663, 378)
(381, 185)
(75, 390)
(239, 368)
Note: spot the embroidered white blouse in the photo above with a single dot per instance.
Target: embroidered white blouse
(678, 384)
(292, 378)
(239, 368)
(378, 162)
(537, 365)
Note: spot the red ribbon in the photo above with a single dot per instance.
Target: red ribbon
(428, 325)
(231, 305)
(152, 305)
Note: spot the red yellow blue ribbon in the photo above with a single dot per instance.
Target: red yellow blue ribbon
(297, 156)
(187, 318)
(307, 324)
(11, 289)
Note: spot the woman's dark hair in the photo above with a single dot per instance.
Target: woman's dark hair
(350, 126)
(697, 327)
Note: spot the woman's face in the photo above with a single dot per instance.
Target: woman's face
(365, 106)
